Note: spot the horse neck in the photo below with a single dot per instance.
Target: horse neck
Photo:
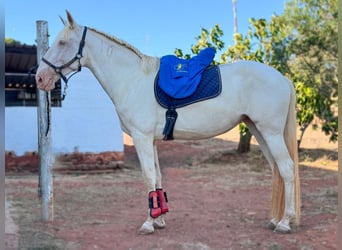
(115, 66)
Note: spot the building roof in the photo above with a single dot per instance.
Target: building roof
(19, 59)
(20, 83)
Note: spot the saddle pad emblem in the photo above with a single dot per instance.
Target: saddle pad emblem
(182, 67)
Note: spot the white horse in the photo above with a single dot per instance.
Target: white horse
(251, 92)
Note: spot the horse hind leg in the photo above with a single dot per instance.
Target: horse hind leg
(283, 206)
(260, 139)
(268, 155)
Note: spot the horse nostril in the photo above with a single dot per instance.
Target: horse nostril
(39, 81)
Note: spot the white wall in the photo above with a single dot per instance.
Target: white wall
(86, 122)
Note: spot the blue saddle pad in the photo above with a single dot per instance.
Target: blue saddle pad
(210, 86)
(178, 77)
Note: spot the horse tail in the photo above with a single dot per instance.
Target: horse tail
(278, 195)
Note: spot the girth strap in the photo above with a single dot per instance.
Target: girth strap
(171, 117)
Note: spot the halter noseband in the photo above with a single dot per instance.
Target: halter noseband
(77, 57)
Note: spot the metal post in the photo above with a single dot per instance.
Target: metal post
(235, 17)
(44, 132)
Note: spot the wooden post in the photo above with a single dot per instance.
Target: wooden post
(44, 132)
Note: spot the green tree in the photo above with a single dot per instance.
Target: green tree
(212, 38)
(312, 44)
(302, 44)
(242, 49)
(11, 41)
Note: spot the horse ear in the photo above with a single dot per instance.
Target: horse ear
(63, 21)
(70, 19)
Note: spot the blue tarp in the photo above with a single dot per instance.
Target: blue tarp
(178, 77)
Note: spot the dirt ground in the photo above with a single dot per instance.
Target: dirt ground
(218, 199)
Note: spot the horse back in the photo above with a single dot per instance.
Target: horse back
(256, 90)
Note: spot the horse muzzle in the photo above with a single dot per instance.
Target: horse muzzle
(46, 79)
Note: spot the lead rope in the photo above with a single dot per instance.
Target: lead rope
(64, 91)
(33, 70)
(48, 108)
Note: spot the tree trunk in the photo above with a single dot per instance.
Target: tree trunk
(302, 130)
(245, 142)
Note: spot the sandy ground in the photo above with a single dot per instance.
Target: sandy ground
(218, 199)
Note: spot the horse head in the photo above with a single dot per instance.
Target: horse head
(66, 55)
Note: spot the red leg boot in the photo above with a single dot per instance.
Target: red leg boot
(154, 204)
(163, 200)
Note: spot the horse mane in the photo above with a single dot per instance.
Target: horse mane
(120, 42)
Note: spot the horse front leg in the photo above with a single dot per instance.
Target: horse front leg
(146, 152)
(159, 222)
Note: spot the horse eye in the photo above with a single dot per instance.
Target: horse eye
(62, 42)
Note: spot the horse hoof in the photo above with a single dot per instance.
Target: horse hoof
(159, 223)
(282, 228)
(272, 224)
(146, 228)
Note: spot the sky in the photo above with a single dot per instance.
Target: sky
(155, 27)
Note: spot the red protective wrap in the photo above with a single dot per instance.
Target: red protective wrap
(154, 204)
(163, 200)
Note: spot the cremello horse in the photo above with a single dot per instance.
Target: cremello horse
(252, 92)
